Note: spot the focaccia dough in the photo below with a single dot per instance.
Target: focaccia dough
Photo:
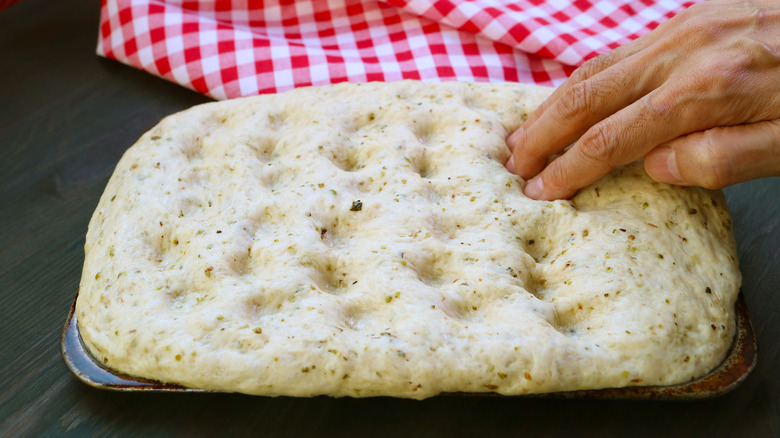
(366, 239)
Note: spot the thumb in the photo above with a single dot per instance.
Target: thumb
(718, 157)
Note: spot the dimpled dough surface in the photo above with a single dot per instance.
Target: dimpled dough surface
(366, 240)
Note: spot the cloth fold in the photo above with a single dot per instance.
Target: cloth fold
(232, 48)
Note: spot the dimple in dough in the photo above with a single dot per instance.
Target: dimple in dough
(366, 240)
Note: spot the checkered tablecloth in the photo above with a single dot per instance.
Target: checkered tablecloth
(232, 48)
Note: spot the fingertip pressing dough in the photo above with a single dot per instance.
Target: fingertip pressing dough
(366, 240)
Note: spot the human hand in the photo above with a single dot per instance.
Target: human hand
(698, 97)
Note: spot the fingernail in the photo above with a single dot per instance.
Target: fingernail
(510, 165)
(662, 165)
(671, 163)
(514, 138)
(535, 188)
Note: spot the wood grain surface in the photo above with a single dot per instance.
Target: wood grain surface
(66, 116)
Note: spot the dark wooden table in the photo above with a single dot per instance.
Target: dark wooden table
(66, 116)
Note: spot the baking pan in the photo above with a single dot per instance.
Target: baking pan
(728, 375)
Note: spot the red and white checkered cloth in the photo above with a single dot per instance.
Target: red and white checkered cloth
(232, 48)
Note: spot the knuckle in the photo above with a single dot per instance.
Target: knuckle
(582, 73)
(658, 105)
(724, 74)
(558, 178)
(695, 30)
(754, 55)
(596, 145)
(592, 66)
(575, 102)
(703, 24)
(713, 168)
